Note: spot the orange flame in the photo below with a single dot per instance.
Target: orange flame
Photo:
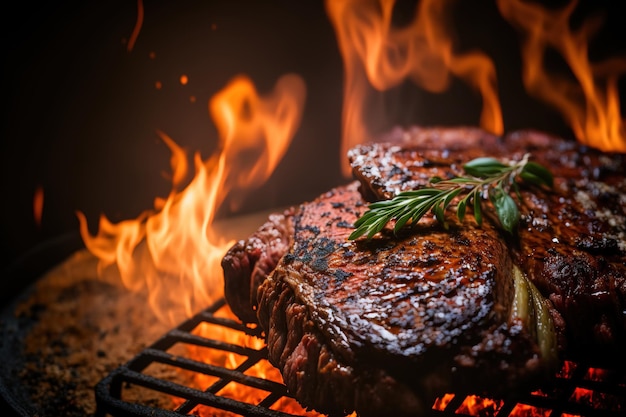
(173, 251)
(590, 103)
(384, 56)
(229, 360)
(138, 23)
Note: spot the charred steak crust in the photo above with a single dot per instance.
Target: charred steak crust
(392, 322)
(384, 326)
(250, 261)
(572, 240)
(398, 294)
(311, 369)
(408, 159)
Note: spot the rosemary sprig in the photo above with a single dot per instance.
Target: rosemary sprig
(486, 178)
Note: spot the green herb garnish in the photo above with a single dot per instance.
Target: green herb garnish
(486, 178)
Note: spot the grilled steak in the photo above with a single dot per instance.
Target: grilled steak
(387, 323)
(383, 326)
(571, 242)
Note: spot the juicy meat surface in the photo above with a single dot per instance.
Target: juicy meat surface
(384, 326)
(398, 295)
(571, 242)
(392, 320)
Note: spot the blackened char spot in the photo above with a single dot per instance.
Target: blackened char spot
(603, 245)
(344, 224)
(313, 229)
(461, 240)
(324, 248)
(320, 252)
(395, 170)
(341, 275)
(319, 264)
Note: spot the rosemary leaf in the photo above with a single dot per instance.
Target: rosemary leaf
(506, 209)
(487, 177)
(484, 166)
(536, 174)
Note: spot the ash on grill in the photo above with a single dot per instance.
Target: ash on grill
(67, 333)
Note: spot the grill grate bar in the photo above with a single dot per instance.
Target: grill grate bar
(192, 339)
(556, 398)
(235, 325)
(223, 373)
(276, 390)
(109, 390)
(196, 396)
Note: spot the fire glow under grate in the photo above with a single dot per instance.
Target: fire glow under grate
(576, 390)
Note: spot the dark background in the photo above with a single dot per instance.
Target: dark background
(81, 112)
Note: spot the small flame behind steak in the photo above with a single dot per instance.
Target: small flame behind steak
(389, 324)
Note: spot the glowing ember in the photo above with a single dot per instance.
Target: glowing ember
(582, 395)
(552, 394)
(378, 54)
(567, 370)
(478, 406)
(539, 393)
(597, 400)
(590, 101)
(38, 205)
(525, 410)
(441, 403)
(597, 374)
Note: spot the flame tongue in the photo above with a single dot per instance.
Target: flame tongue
(376, 52)
(588, 101)
(377, 55)
(172, 251)
(249, 124)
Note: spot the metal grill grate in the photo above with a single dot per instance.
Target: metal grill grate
(109, 390)
(577, 390)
